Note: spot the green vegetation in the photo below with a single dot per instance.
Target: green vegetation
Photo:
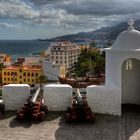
(93, 44)
(90, 60)
(43, 79)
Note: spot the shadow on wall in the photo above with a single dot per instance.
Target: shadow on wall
(106, 127)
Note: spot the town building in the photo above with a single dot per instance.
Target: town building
(53, 71)
(21, 75)
(64, 53)
(29, 60)
(5, 59)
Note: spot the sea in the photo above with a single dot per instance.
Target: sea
(22, 48)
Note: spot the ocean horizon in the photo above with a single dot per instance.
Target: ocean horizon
(22, 47)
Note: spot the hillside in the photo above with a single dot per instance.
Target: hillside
(104, 33)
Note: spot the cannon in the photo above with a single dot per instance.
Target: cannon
(2, 107)
(34, 108)
(79, 110)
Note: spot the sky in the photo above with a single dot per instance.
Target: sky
(33, 19)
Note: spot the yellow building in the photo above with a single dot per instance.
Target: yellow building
(21, 75)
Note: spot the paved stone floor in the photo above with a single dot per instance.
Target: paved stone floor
(54, 127)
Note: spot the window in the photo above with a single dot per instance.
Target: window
(24, 74)
(13, 73)
(4, 73)
(32, 80)
(5, 79)
(33, 74)
(20, 76)
(8, 73)
(28, 80)
(24, 80)
(11, 79)
(28, 74)
(8, 79)
(20, 70)
(36, 74)
(56, 61)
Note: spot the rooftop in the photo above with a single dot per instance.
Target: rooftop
(106, 127)
(23, 67)
(128, 40)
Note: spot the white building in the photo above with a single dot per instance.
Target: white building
(52, 71)
(64, 53)
(122, 83)
(30, 60)
(5, 59)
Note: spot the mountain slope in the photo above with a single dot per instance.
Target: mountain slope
(104, 33)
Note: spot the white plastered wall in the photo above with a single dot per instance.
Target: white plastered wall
(114, 61)
(127, 81)
(131, 83)
(15, 95)
(108, 98)
(57, 97)
(104, 99)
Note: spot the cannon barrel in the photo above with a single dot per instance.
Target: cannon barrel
(34, 97)
(79, 97)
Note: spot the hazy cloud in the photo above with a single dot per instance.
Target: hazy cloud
(66, 16)
(7, 25)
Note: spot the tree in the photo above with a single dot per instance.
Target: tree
(93, 44)
(42, 79)
(90, 60)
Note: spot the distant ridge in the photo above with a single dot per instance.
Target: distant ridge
(104, 33)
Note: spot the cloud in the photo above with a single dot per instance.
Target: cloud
(93, 7)
(66, 16)
(7, 25)
(90, 14)
(16, 9)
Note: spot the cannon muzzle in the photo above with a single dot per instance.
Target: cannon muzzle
(34, 97)
(79, 97)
